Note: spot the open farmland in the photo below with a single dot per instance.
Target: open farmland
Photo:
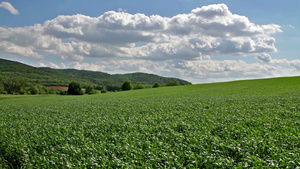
(62, 88)
(239, 124)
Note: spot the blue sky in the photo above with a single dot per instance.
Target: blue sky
(199, 41)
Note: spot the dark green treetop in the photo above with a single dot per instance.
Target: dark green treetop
(75, 89)
(127, 85)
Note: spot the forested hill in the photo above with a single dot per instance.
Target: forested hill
(62, 77)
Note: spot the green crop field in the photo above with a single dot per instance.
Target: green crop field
(242, 124)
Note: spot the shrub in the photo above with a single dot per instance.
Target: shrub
(38, 89)
(89, 90)
(1, 85)
(3, 92)
(22, 92)
(53, 91)
(139, 86)
(42, 89)
(63, 93)
(155, 85)
(173, 83)
(34, 90)
(127, 85)
(94, 92)
(103, 90)
(75, 89)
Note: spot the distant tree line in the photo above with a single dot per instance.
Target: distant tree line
(22, 86)
(127, 85)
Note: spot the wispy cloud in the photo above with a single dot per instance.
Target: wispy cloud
(9, 7)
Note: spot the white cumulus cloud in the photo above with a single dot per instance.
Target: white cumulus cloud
(209, 30)
(182, 45)
(264, 57)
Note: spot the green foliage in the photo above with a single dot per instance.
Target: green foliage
(94, 92)
(139, 86)
(243, 124)
(13, 85)
(155, 85)
(63, 93)
(3, 92)
(127, 85)
(40, 89)
(103, 90)
(53, 91)
(173, 83)
(75, 89)
(21, 86)
(34, 90)
(1, 85)
(89, 89)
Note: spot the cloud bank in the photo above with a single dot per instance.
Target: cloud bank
(182, 45)
(9, 7)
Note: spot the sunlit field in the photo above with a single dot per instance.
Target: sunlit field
(238, 124)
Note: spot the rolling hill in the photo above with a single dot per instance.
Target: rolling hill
(62, 77)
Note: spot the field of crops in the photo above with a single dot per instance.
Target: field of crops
(223, 125)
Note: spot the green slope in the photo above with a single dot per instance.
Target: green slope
(242, 88)
(62, 77)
